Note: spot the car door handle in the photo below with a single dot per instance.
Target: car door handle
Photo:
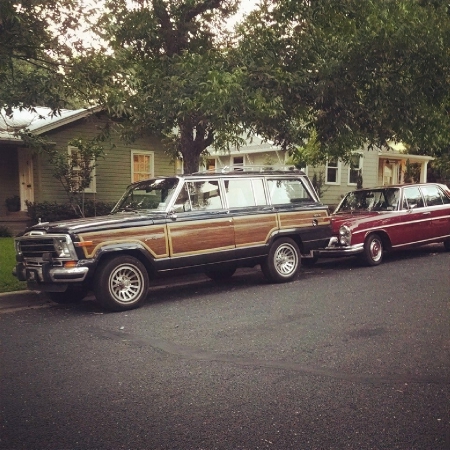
(426, 213)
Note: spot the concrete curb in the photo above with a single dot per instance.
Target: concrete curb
(23, 300)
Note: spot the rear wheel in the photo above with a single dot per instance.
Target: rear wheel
(447, 245)
(71, 295)
(121, 283)
(373, 250)
(282, 263)
(221, 273)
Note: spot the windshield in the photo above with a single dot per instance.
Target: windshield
(149, 195)
(370, 200)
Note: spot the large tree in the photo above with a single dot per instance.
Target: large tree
(37, 38)
(167, 71)
(349, 72)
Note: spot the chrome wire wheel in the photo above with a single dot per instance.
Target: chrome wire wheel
(126, 283)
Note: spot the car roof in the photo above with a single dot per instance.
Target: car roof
(395, 186)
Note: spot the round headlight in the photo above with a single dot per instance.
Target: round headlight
(345, 235)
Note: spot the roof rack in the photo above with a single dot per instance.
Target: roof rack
(248, 169)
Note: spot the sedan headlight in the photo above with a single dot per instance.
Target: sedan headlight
(345, 235)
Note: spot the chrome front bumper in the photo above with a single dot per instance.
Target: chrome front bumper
(334, 250)
(45, 273)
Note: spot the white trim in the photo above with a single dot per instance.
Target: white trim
(338, 173)
(92, 189)
(360, 168)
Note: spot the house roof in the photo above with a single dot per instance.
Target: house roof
(255, 144)
(37, 121)
(399, 156)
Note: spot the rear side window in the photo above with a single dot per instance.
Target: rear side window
(288, 191)
(434, 196)
(412, 198)
(243, 192)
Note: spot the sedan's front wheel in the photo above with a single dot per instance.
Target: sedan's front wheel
(373, 250)
(282, 263)
(121, 283)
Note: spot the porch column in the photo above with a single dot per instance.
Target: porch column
(423, 172)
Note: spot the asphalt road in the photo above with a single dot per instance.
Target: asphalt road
(345, 357)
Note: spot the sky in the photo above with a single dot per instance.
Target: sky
(245, 7)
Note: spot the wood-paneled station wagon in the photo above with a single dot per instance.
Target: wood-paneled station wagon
(208, 222)
(369, 221)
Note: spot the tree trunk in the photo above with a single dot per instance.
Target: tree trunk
(194, 140)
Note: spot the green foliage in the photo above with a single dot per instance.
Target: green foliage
(352, 71)
(8, 282)
(52, 211)
(34, 51)
(169, 74)
(5, 232)
(13, 203)
(412, 172)
(75, 171)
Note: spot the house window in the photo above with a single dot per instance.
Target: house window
(210, 164)
(238, 163)
(80, 170)
(355, 169)
(333, 171)
(141, 165)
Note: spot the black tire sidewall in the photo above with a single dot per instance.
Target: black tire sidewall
(101, 283)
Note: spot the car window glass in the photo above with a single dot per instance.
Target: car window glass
(288, 191)
(433, 195)
(201, 195)
(149, 195)
(412, 198)
(239, 193)
(243, 192)
(258, 191)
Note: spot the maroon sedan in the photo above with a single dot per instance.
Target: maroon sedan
(369, 221)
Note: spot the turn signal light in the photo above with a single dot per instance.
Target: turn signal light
(70, 264)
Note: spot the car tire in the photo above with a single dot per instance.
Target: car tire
(373, 250)
(71, 295)
(121, 283)
(282, 263)
(447, 245)
(220, 274)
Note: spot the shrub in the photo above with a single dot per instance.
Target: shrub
(52, 212)
(13, 203)
(5, 232)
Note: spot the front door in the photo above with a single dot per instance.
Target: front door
(201, 230)
(25, 177)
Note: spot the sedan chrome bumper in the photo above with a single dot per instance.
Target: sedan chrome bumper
(334, 250)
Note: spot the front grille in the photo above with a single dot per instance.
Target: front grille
(35, 248)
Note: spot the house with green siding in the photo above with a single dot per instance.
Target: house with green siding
(27, 175)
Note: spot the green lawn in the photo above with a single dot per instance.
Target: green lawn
(8, 283)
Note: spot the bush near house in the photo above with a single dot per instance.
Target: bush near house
(8, 282)
(52, 212)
